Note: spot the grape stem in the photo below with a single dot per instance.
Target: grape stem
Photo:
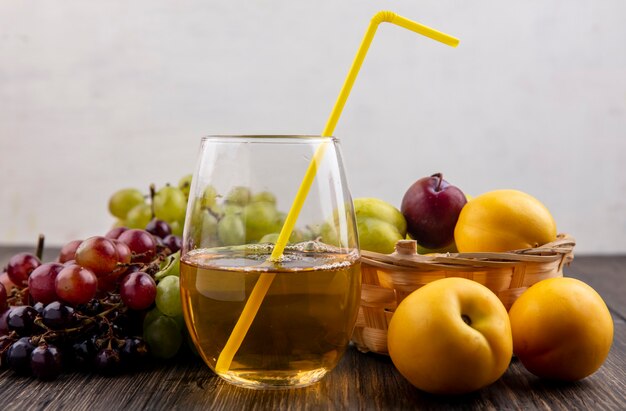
(17, 296)
(85, 320)
(152, 194)
(39, 249)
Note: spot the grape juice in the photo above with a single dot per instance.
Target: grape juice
(303, 324)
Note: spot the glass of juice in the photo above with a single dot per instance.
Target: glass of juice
(241, 192)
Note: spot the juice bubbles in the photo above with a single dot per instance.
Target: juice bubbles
(303, 325)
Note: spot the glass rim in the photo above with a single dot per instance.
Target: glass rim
(269, 137)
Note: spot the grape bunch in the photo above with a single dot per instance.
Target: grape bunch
(104, 305)
(239, 217)
(133, 209)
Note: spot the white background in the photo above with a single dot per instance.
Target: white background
(96, 96)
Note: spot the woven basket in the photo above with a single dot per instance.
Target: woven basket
(389, 278)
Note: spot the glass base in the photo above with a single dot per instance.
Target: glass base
(274, 380)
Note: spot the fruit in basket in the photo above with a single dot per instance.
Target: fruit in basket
(379, 223)
(503, 220)
(431, 207)
(562, 329)
(451, 336)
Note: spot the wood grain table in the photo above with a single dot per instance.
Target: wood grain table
(360, 381)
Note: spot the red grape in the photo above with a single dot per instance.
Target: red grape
(115, 233)
(4, 327)
(76, 285)
(138, 290)
(3, 298)
(68, 251)
(6, 281)
(141, 243)
(98, 254)
(123, 252)
(41, 282)
(20, 266)
(108, 283)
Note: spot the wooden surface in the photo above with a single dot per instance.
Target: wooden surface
(360, 381)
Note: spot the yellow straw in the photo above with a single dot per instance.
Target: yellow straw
(265, 280)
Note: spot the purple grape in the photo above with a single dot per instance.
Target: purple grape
(18, 356)
(173, 242)
(21, 319)
(134, 352)
(45, 362)
(107, 361)
(158, 228)
(58, 316)
(84, 353)
(39, 307)
(91, 308)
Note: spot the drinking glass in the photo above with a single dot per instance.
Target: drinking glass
(240, 194)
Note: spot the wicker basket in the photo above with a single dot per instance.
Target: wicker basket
(389, 278)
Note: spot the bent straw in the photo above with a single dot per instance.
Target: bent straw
(265, 280)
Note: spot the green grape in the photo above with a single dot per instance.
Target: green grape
(229, 209)
(269, 238)
(169, 266)
(119, 223)
(239, 195)
(124, 200)
(139, 216)
(177, 228)
(329, 234)
(217, 210)
(152, 315)
(185, 184)
(296, 237)
(180, 323)
(164, 337)
(264, 197)
(280, 220)
(204, 229)
(209, 197)
(231, 230)
(169, 204)
(260, 219)
(310, 233)
(168, 296)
